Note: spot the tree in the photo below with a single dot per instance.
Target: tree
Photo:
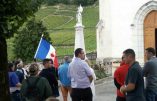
(65, 1)
(27, 40)
(13, 14)
(84, 2)
(76, 2)
(51, 2)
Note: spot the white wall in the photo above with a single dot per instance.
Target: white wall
(122, 15)
(105, 38)
(119, 29)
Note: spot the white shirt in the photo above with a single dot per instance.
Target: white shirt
(78, 72)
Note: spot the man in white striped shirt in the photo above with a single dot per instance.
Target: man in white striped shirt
(81, 77)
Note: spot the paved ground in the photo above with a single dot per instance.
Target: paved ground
(105, 91)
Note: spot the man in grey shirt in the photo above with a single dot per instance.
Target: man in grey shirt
(150, 72)
(81, 77)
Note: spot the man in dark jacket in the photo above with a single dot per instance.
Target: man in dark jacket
(50, 75)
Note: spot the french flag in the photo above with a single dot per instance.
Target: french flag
(46, 51)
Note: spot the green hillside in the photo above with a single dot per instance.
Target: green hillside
(60, 21)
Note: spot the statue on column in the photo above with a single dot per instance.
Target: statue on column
(79, 15)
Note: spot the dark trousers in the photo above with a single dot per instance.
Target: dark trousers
(80, 94)
(151, 95)
(15, 97)
(120, 98)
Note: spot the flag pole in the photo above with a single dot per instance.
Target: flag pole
(38, 45)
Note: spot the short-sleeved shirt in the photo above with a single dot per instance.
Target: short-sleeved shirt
(13, 79)
(150, 72)
(79, 71)
(62, 73)
(135, 76)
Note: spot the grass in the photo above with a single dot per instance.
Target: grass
(52, 21)
(60, 21)
(90, 16)
(43, 12)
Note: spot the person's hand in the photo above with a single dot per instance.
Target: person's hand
(122, 89)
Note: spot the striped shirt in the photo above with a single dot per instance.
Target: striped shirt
(78, 72)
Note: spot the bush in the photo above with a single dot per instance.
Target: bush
(100, 74)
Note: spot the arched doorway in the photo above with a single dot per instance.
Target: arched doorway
(138, 29)
(150, 30)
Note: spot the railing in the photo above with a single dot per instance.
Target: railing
(90, 56)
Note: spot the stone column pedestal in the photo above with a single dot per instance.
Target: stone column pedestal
(79, 37)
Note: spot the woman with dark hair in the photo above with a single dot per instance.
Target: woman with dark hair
(14, 83)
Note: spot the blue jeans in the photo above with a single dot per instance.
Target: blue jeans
(151, 95)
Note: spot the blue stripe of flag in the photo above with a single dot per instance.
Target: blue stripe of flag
(43, 49)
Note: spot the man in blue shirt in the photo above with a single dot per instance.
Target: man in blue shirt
(81, 77)
(65, 81)
(14, 84)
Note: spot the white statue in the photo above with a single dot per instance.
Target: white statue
(79, 15)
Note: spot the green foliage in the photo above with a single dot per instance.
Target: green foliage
(64, 38)
(14, 13)
(65, 1)
(100, 74)
(60, 21)
(27, 40)
(51, 2)
(44, 12)
(76, 2)
(63, 41)
(52, 21)
(10, 47)
(84, 2)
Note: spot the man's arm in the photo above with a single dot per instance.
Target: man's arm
(133, 77)
(128, 88)
(146, 69)
(18, 85)
(90, 78)
(88, 71)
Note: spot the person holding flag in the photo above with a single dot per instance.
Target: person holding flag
(48, 73)
(47, 53)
